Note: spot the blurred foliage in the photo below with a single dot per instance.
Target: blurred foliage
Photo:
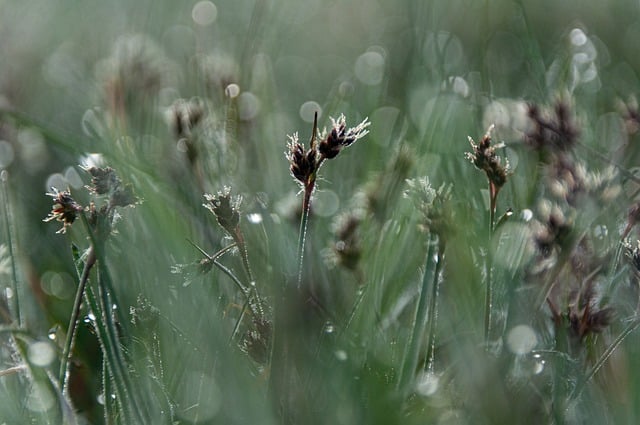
(187, 98)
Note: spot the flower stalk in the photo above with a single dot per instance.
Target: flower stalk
(304, 165)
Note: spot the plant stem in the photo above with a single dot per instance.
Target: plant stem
(433, 311)
(419, 324)
(605, 356)
(304, 219)
(8, 218)
(73, 321)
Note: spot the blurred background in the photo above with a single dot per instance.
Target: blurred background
(118, 83)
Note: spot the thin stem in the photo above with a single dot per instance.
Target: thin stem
(67, 351)
(304, 219)
(605, 356)
(419, 324)
(8, 218)
(488, 297)
(433, 312)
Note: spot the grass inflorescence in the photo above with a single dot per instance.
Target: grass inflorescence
(424, 276)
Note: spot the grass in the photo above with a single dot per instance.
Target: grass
(210, 268)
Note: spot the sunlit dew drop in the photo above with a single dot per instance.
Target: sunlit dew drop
(427, 383)
(309, 109)
(526, 214)
(600, 231)
(100, 399)
(8, 293)
(577, 37)
(369, 67)
(329, 328)
(254, 218)
(6, 154)
(89, 318)
(538, 365)
(204, 13)
(232, 91)
(521, 339)
(341, 355)
(460, 86)
(41, 353)
(92, 160)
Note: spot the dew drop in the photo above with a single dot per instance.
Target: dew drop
(232, 90)
(600, 231)
(521, 339)
(329, 328)
(309, 109)
(89, 318)
(527, 215)
(427, 383)
(341, 355)
(41, 353)
(254, 218)
(577, 37)
(204, 13)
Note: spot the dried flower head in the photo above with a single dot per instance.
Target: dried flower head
(585, 315)
(225, 208)
(302, 164)
(432, 204)
(484, 158)
(554, 132)
(553, 232)
(339, 136)
(65, 209)
(103, 180)
(305, 163)
(184, 115)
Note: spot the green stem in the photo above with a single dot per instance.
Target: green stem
(67, 351)
(433, 312)
(419, 324)
(8, 218)
(304, 219)
(605, 356)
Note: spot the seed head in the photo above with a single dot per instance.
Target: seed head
(65, 209)
(484, 158)
(225, 208)
(302, 164)
(339, 136)
(555, 132)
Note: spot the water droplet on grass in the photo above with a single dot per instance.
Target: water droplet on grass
(427, 383)
(254, 218)
(41, 353)
(521, 339)
(204, 13)
(309, 109)
(329, 328)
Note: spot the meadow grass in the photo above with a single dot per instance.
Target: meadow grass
(211, 252)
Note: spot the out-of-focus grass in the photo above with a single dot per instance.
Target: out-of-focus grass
(99, 78)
